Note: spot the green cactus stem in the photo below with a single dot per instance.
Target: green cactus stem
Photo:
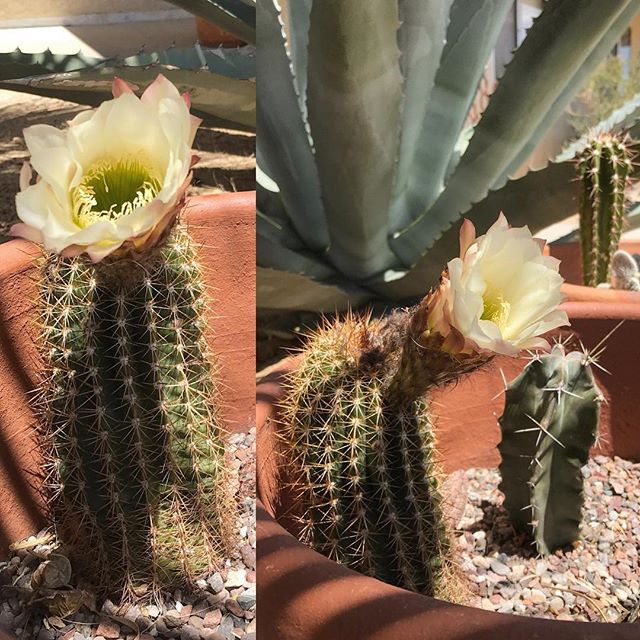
(549, 424)
(137, 482)
(603, 167)
(359, 448)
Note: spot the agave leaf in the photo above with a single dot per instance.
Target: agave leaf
(596, 56)
(220, 101)
(283, 146)
(233, 16)
(16, 64)
(471, 36)
(298, 32)
(235, 63)
(272, 252)
(556, 46)
(421, 38)
(353, 98)
(239, 63)
(281, 290)
(537, 200)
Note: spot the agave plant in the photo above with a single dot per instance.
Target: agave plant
(220, 81)
(365, 163)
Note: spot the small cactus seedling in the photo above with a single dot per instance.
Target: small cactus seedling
(603, 167)
(133, 433)
(359, 447)
(549, 424)
(625, 273)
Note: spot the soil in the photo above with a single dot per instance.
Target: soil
(227, 158)
(597, 579)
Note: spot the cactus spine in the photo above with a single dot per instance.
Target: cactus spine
(603, 167)
(359, 449)
(137, 477)
(549, 423)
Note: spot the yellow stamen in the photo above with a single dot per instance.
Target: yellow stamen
(113, 188)
(496, 308)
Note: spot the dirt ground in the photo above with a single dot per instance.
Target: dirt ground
(227, 157)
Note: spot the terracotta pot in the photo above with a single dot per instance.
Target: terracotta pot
(304, 596)
(223, 227)
(580, 293)
(211, 35)
(571, 259)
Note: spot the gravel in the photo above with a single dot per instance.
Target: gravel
(222, 608)
(597, 579)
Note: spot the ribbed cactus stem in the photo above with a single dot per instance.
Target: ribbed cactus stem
(138, 482)
(603, 167)
(359, 448)
(549, 424)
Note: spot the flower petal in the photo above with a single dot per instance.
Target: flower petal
(467, 236)
(120, 87)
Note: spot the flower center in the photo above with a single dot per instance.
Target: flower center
(496, 309)
(112, 189)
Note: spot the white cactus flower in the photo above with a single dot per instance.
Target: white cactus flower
(114, 177)
(501, 295)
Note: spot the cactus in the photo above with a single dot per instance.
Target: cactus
(625, 272)
(358, 446)
(603, 167)
(549, 424)
(132, 428)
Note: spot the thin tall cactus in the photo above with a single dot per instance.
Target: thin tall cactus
(133, 433)
(603, 167)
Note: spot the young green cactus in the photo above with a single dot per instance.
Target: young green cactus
(603, 167)
(358, 443)
(137, 484)
(550, 422)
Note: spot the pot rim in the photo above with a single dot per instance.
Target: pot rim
(582, 293)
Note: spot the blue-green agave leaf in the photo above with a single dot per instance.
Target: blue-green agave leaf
(283, 146)
(353, 99)
(218, 100)
(471, 37)
(606, 44)
(556, 46)
(421, 38)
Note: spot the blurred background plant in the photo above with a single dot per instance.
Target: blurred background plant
(612, 84)
(370, 153)
(205, 47)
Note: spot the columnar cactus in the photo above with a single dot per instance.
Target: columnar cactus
(133, 432)
(603, 167)
(549, 423)
(359, 445)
